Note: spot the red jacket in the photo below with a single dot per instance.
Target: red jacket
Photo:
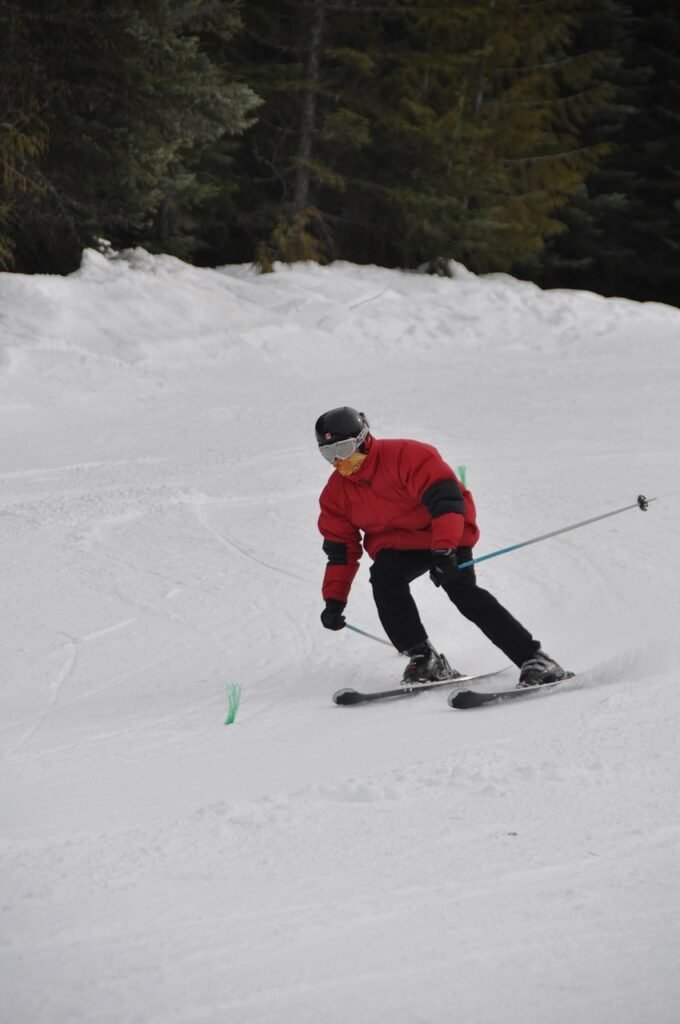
(403, 496)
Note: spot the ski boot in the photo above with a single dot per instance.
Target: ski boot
(426, 666)
(540, 669)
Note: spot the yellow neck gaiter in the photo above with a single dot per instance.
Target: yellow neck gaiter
(346, 467)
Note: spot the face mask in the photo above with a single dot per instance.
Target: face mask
(346, 467)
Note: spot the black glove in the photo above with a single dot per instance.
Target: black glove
(331, 616)
(444, 567)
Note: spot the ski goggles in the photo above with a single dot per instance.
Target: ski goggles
(343, 449)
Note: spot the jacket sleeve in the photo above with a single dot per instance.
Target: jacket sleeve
(342, 547)
(431, 481)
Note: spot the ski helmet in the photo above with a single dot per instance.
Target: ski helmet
(340, 432)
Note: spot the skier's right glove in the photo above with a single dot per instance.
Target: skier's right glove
(331, 616)
(444, 569)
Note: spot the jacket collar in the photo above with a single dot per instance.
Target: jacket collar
(368, 466)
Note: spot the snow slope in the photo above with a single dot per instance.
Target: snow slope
(391, 863)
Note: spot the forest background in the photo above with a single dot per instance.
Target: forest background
(539, 138)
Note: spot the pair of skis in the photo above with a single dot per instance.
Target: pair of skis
(462, 700)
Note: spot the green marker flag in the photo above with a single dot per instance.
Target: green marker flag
(233, 700)
(461, 474)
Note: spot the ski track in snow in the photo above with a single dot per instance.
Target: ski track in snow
(392, 862)
(246, 552)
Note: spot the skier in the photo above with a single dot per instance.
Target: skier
(415, 516)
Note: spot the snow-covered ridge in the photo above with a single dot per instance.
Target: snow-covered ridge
(133, 305)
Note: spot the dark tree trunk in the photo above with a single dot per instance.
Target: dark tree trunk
(308, 113)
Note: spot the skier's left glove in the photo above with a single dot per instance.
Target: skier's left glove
(331, 616)
(444, 569)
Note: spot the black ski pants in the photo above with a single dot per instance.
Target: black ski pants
(393, 571)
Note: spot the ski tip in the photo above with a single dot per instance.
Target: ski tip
(346, 696)
(463, 699)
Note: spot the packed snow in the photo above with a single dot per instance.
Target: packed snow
(393, 863)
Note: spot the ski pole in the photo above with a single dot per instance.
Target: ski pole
(642, 503)
(371, 636)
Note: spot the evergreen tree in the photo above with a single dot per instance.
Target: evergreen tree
(23, 132)
(653, 140)
(134, 100)
(404, 192)
(400, 130)
(533, 98)
(624, 228)
(280, 57)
